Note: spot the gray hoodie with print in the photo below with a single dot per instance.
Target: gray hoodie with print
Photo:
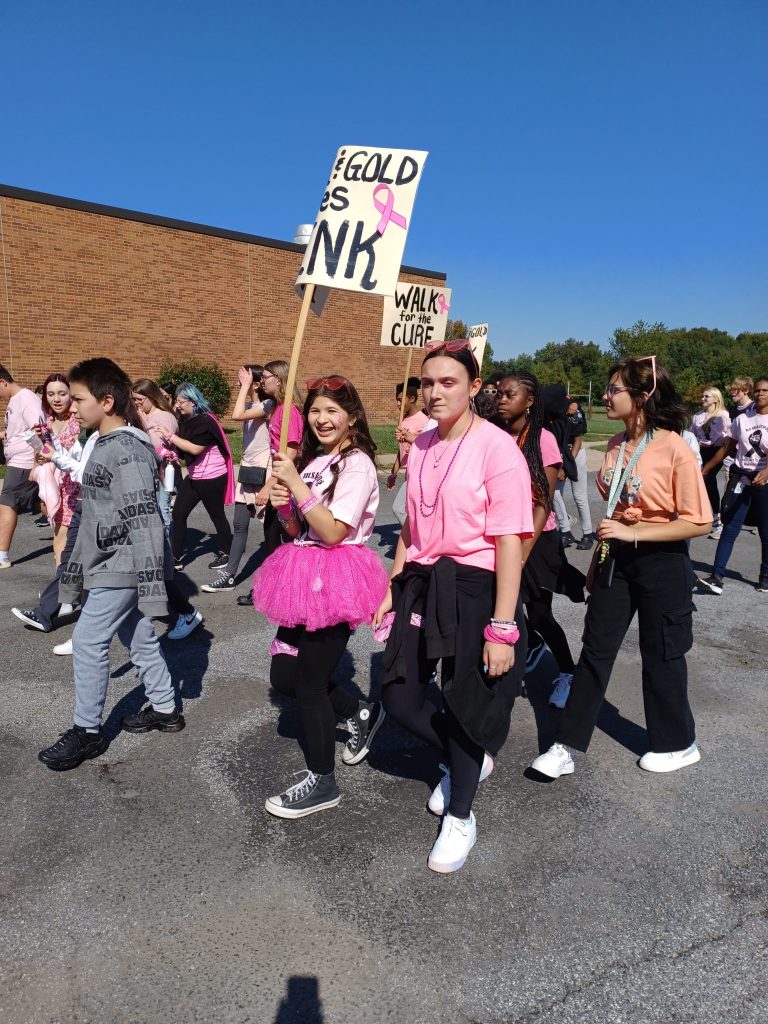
(121, 542)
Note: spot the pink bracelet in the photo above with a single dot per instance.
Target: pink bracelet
(308, 504)
(493, 636)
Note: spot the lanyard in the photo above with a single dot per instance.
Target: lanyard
(619, 479)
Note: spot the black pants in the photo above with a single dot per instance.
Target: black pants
(540, 618)
(48, 607)
(407, 702)
(188, 497)
(307, 677)
(710, 480)
(274, 534)
(654, 580)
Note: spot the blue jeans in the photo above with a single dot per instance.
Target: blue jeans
(110, 611)
(752, 497)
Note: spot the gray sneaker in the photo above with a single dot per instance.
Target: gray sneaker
(313, 793)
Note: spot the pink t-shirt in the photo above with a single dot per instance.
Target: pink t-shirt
(24, 411)
(295, 427)
(355, 499)
(485, 494)
(156, 420)
(414, 425)
(550, 456)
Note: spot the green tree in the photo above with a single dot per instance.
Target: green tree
(208, 377)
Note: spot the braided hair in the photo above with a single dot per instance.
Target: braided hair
(359, 437)
(529, 438)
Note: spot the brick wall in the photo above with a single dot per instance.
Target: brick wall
(78, 282)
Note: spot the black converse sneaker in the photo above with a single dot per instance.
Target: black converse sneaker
(72, 748)
(313, 793)
(222, 582)
(219, 561)
(363, 727)
(29, 618)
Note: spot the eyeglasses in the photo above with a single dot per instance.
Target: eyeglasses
(614, 389)
(332, 383)
(490, 391)
(266, 376)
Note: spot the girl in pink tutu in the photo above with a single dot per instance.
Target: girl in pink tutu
(324, 584)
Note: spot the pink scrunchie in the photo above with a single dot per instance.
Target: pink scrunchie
(493, 636)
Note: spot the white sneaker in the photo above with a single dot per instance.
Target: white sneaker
(452, 846)
(185, 624)
(440, 797)
(554, 762)
(5, 563)
(64, 649)
(670, 762)
(66, 609)
(716, 531)
(562, 688)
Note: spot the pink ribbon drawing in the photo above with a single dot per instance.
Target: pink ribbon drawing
(444, 307)
(387, 210)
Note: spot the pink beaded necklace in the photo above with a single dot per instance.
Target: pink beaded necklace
(426, 508)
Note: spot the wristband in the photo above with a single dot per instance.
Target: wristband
(493, 636)
(504, 625)
(308, 504)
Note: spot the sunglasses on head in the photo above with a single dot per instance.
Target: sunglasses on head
(332, 383)
(642, 359)
(455, 345)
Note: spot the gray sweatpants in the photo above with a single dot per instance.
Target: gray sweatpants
(106, 612)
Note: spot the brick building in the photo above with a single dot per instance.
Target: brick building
(79, 279)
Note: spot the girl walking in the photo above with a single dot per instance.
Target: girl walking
(57, 489)
(274, 381)
(711, 426)
(210, 472)
(546, 570)
(325, 583)
(454, 593)
(158, 418)
(656, 501)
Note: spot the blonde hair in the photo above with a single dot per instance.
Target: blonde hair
(280, 369)
(743, 384)
(719, 403)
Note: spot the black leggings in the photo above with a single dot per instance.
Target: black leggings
(406, 701)
(540, 618)
(307, 677)
(710, 481)
(189, 496)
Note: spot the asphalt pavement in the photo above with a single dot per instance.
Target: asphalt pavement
(150, 886)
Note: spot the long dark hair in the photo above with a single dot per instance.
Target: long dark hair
(104, 377)
(663, 409)
(529, 438)
(360, 440)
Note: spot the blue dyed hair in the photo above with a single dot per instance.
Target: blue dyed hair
(193, 394)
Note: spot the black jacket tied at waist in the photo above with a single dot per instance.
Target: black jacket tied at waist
(456, 603)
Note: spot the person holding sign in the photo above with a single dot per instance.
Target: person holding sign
(656, 501)
(323, 585)
(454, 592)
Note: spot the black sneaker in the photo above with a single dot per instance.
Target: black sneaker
(42, 522)
(712, 583)
(363, 727)
(762, 585)
(219, 561)
(178, 565)
(586, 542)
(567, 539)
(148, 719)
(72, 748)
(222, 582)
(245, 601)
(313, 793)
(30, 618)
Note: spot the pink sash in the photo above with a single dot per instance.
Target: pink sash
(229, 495)
(47, 478)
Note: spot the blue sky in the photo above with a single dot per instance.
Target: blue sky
(591, 163)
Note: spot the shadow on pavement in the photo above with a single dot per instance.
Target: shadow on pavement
(301, 1003)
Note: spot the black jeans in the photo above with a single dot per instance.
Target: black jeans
(710, 480)
(188, 497)
(406, 701)
(48, 607)
(307, 677)
(654, 580)
(540, 618)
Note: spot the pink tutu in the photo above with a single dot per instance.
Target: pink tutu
(307, 585)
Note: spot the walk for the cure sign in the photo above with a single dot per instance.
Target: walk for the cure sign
(478, 337)
(416, 315)
(359, 234)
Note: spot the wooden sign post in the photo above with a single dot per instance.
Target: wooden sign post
(405, 385)
(293, 368)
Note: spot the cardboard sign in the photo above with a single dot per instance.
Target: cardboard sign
(318, 300)
(358, 238)
(415, 315)
(478, 336)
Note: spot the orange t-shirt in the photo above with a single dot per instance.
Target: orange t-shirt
(665, 483)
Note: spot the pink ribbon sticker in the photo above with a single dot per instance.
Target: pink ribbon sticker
(281, 647)
(387, 210)
(416, 620)
(444, 307)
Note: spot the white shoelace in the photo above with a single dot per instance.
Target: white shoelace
(300, 789)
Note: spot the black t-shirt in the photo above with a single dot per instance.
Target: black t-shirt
(734, 410)
(199, 429)
(577, 425)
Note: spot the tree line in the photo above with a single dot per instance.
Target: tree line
(696, 357)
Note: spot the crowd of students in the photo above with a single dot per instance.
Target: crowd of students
(481, 552)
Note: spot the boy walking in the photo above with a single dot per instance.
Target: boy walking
(120, 558)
